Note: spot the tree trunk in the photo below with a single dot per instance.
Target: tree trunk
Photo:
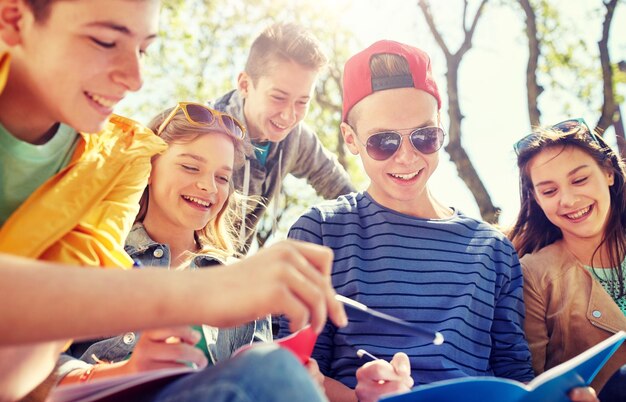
(464, 166)
(620, 136)
(458, 156)
(608, 106)
(534, 51)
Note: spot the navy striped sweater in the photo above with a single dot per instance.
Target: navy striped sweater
(458, 276)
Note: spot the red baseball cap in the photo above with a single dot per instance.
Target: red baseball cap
(357, 77)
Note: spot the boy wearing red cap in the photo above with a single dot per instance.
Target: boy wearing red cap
(397, 249)
(400, 251)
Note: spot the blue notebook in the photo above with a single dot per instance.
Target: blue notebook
(551, 386)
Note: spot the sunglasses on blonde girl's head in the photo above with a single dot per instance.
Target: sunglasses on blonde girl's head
(381, 146)
(201, 115)
(577, 127)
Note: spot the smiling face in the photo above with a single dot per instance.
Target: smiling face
(76, 64)
(189, 185)
(400, 182)
(573, 191)
(278, 100)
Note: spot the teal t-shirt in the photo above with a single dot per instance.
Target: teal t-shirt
(261, 149)
(24, 166)
(603, 276)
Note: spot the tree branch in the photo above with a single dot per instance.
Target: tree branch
(455, 149)
(608, 106)
(533, 89)
(430, 21)
(467, 42)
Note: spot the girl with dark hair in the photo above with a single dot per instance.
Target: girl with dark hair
(571, 238)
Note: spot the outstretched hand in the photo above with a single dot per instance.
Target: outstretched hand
(290, 278)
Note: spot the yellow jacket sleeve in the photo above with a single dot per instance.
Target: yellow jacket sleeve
(82, 215)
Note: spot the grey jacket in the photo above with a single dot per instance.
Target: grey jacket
(221, 343)
(301, 154)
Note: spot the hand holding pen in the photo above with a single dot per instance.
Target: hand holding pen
(379, 377)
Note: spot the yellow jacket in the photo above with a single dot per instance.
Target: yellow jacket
(82, 214)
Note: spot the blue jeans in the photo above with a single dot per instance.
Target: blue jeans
(263, 373)
(615, 389)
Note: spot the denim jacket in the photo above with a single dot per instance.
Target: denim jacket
(221, 342)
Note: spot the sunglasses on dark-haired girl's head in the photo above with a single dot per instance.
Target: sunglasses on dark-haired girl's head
(572, 126)
(201, 115)
(383, 145)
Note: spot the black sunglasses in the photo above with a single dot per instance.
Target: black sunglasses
(572, 126)
(383, 145)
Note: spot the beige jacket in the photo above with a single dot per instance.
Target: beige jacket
(567, 311)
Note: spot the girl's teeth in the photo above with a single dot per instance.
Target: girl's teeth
(197, 201)
(579, 214)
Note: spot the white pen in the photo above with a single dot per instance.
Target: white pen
(363, 352)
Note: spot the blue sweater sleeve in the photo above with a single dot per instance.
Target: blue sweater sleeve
(510, 355)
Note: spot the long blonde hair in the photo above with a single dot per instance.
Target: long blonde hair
(218, 237)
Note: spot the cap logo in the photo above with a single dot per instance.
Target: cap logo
(397, 81)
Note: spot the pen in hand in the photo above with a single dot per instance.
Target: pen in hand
(364, 353)
(401, 370)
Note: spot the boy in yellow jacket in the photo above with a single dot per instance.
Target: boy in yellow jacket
(70, 197)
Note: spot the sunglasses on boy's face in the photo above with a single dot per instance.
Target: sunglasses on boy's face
(381, 146)
(201, 115)
(572, 126)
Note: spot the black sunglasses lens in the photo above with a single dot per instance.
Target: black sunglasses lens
(381, 146)
(568, 125)
(199, 114)
(427, 140)
(524, 143)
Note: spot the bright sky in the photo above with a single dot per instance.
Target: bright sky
(492, 83)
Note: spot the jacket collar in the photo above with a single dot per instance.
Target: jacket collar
(138, 239)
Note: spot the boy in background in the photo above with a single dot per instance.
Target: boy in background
(272, 98)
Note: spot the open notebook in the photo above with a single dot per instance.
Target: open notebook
(551, 386)
(120, 388)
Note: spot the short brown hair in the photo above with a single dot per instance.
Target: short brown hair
(285, 42)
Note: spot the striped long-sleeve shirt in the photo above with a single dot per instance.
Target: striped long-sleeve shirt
(458, 276)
